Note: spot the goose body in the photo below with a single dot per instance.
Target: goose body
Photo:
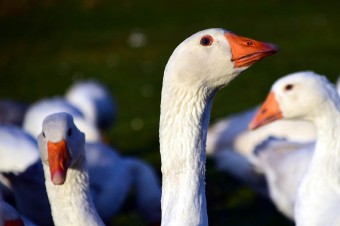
(232, 132)
(284, 164)
(196, 70)
(21, 175)
(311, 97)
(18, 150)
(111, 178)
(62, 149)
(94, 100)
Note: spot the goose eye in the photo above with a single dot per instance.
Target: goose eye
(206, 40)
(289, 87)
(250, 43)
(43, 134)
(69, 132)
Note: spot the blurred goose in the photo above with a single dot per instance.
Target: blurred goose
(95, 101)
(111, 178)
(25, 154)
(311, 97)
(196, 70)
(232, 132)
(22, 176)
(284, 164)
(39, 110)
(62, 149)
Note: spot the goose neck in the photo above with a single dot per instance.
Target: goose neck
(184, 122)
(326, 159)
(71, 203)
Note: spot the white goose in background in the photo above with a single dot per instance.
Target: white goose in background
(38, 111)
(62, 149)
(232, 132)
(95, 101)
(21, 174)
(25, 146)
(231, 144)
(196, 70)
(111, 178)
(284, 164)
(311, 97)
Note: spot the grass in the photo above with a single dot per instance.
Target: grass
(46, 45)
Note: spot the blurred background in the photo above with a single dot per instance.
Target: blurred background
(46, 45)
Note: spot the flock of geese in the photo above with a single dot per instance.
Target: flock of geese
(57, 170)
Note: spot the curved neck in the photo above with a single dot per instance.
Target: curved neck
(326, 159)
(71, 203)
(184, 122)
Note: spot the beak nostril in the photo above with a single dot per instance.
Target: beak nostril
(263, 111)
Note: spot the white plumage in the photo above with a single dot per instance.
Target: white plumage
(62, 149)
(25, 154)
(311, 97)
(38, 111)
(196, 70)
(95, 101)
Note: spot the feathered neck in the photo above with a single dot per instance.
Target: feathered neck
(326, 158)
(185, 113)
(71, 203)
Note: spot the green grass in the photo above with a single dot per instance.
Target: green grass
(46, 45)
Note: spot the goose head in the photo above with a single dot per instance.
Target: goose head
(61, 145)
(301, 95)
(212, 57)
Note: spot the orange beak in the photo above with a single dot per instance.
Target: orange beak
(246, 51)
(269, 112)
(59, 160)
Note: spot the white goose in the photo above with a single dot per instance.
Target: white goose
(22, 175)
(25, 146)
(196, 70)
(232, 132)
(284, 164)
(111, 178)
(102, 160)
(62, 151)
(311, 97)
(95, 101)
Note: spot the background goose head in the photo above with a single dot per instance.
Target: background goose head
(301, 95)
(213, 57)
(61, 145)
